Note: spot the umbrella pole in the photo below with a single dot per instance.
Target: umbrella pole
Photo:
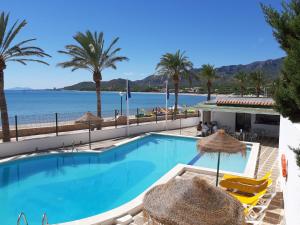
(218, 167)
(90, 134)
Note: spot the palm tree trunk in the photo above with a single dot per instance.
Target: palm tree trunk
(98, 93)
(257, 92)
(3, 108)
(208, 90)
(176, 86)
(242, 91)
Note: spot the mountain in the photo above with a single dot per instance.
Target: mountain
(271, 69)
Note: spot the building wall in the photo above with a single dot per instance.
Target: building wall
(271, 130)
(290, 137)
(224, 119)
(228, 119)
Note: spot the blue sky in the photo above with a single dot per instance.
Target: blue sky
(215, 31)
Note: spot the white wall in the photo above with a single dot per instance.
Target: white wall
(13, 148)
(271, 130)
(224, 119)
(290, 136)
(228, 119)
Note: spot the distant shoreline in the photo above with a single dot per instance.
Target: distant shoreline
(137, 92)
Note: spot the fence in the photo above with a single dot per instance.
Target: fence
(57, 123)
(87, 137)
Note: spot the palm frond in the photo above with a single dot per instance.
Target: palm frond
(18, 52)
(3, 25)
(15, 29)
(24, 60)
(89, 53)
(174, 64)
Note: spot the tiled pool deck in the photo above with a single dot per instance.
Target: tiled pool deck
(268, 159)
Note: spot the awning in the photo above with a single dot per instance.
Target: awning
(236, 109)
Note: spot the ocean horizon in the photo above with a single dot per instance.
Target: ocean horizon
(33, 106)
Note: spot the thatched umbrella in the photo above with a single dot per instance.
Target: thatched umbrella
(192, 202)
(220, 142)
(89, 117)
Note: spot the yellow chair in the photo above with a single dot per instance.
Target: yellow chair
(248, 200)
(246, 188)
(246, 180)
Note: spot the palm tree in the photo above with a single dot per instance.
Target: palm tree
(90, 54)
(241, 78)
(208, 72)
(10, 52)
(174, 65)
(257, 78)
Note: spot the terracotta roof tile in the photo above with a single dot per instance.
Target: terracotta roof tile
(245, 101)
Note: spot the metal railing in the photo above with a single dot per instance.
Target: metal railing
(31, 125)
(22, 215)
(44, 219)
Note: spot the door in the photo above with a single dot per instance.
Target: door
(243, 121)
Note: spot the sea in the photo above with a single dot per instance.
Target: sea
(35, 106)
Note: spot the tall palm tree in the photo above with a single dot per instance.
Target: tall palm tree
(174, 65)
(208, 72)
(11, 52)
(241, 78)
(90, 54)
(258, 79)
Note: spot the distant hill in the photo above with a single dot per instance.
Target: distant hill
(271, 69)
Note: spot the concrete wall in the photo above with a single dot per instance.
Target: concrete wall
(38, 144)
(290, 137)
(37, 129)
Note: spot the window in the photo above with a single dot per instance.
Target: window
(267, 119)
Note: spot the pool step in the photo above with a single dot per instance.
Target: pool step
(124, 220)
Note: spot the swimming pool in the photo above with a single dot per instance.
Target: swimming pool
(71, 186)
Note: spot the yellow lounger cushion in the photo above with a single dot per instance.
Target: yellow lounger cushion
(242, 187)
(246, 199)
(246, 180)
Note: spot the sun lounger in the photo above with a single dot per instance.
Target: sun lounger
(246, 188)
(246, 180)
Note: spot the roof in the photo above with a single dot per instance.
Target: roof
(240, 105)
(237, 109)
(264, 102)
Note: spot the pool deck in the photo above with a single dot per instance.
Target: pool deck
(267, 160)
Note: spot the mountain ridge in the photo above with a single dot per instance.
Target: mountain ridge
(270, 67)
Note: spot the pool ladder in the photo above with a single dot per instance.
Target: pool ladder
(45, 219)
(22, 215)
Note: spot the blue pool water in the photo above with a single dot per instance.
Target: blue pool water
(77, 185)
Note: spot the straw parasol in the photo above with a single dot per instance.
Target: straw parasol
(89, 117)
(221, 142)
(192, 202)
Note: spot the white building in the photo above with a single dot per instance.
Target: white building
(253, 115)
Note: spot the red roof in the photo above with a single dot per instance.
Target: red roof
(246, 101)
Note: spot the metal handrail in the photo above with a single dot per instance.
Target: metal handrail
(45, 219)
(73, 146)
(22, 215)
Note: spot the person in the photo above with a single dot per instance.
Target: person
(214, 128)
(210, 126)
(205, 129)
(199, 129)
